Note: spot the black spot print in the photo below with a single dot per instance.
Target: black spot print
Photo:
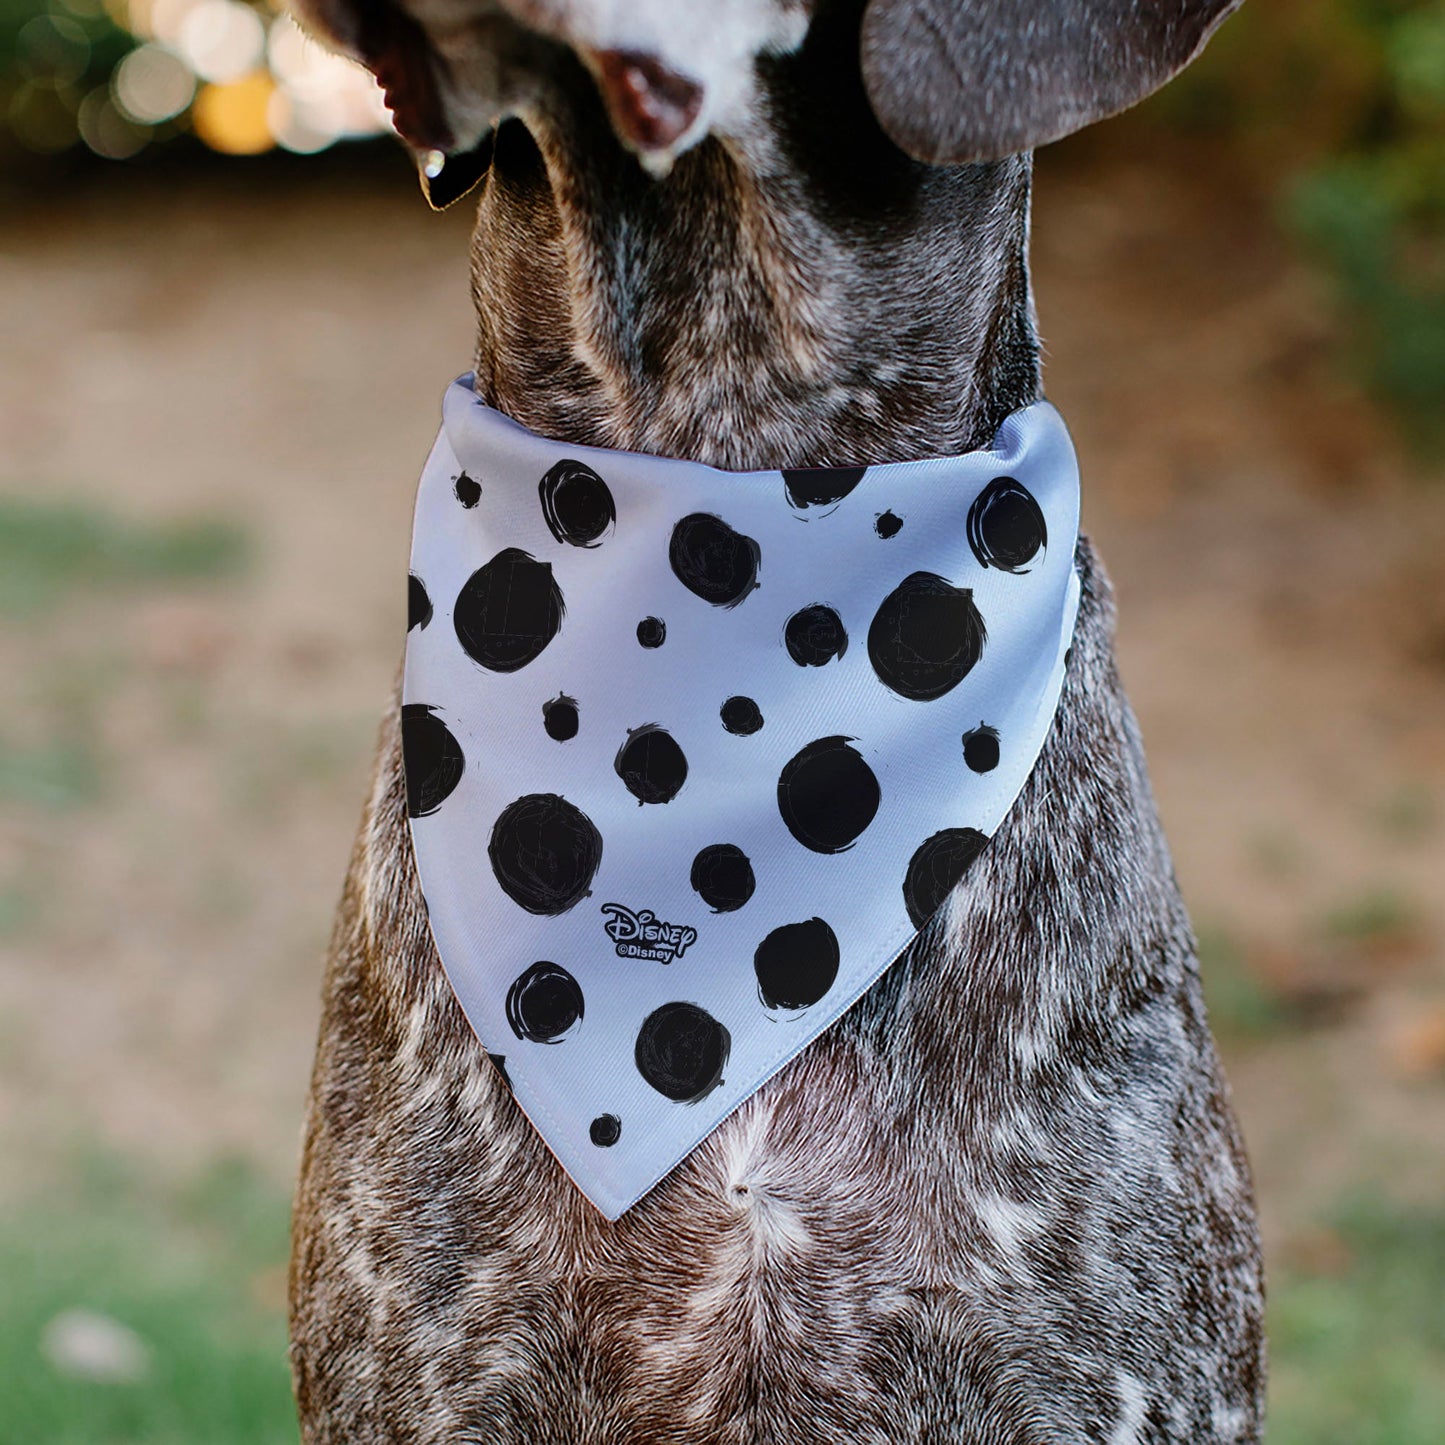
(469, 493)
(815, 636)
(889, 524)
(651, 764)
(431, 758)
(559, 718)
(545, 1004)
(576, 504)
(741, 715)
(418, 604)
(605, 1130)
(712, 561)
(1006, 526)
(508, 611)
(936, 867)
(544, 852)
(828, 795)
(796, 964)
(926, 637)
(500, 1061)
(652, 632)
(723, 877)
(682, 1051)
(980, 748)
(820, 486)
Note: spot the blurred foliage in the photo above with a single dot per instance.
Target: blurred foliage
(50, 549)
(1338, 106)
(192, 1278)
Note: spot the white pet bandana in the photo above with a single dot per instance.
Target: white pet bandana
(691, 755)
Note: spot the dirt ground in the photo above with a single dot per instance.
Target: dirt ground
(274, 355)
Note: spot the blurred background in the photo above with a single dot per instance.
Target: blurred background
(226, 320)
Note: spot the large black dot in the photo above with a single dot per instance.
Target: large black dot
(651, 764)
(828, 795)
(712, 561)
(431, 758)
(820, 486)
(652, 632)
(508, 611)
(888, 524)
(544, 851)
(576, 504)
(544, 1004)
(468, 492)
(605, 1130)
(741, 715)
(936, 867)
(559, 718)
(796, 964)
(1006, 526)
(980, 748)
(925, 637)
(723, 877)
(815, 636)
(418, 604)
(681, 1051)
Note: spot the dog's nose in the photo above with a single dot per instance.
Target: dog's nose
(651, 106)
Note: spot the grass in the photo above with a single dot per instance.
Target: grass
(194, 1275)
(1358, 1351)
(50, 549)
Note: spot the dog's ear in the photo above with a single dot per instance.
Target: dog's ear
(974, 80)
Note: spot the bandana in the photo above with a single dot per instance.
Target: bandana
(692, 755)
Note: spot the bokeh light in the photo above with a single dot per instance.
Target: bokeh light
(119, 75)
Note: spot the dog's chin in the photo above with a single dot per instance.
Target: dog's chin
(447, 177)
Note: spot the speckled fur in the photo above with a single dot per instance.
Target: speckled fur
(1033, 1224)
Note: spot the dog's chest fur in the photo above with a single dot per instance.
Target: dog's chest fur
(1002, 1200)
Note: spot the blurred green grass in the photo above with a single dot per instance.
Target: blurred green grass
(195, 1273)
(50, 549)
(1357, 1318)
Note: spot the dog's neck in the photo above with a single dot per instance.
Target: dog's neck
(804, 296)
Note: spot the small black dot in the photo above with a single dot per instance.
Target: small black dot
(576, 504)
(559, 718)
(888, 525)
(469, 493)
(723, 877)
(605, 1130)
(815, 636)
(544, 1004)
(500, 1062)
(796, 964)
(652, 632)
(828, 795)
(418, 604)
(741, 715)
(980, 748)
(1006, 526)
(431, 759)
(651, 764)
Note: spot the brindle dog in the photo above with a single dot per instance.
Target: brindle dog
(1003, 1200)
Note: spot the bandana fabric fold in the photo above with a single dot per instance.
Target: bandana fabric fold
(692, 755)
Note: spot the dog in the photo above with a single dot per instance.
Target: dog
(1004, 1198)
